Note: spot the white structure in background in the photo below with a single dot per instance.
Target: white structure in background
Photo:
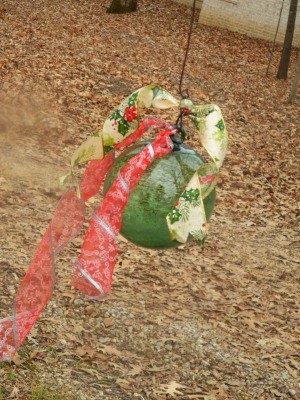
(256, 18)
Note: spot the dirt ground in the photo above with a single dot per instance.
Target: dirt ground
(212, 323)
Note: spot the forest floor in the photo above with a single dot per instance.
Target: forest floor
(212, 323)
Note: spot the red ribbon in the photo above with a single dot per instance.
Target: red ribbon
(92, 273)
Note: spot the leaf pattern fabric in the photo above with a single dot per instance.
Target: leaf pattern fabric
(210, 124)
(187, 217)
(124, 120)
(213, 136)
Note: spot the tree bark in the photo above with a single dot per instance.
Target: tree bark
(288, 41)
(295, 82)
(122, 6)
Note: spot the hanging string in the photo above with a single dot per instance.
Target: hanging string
(274, 40)
(185, 95)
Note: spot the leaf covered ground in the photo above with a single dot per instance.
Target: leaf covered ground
(213, 323)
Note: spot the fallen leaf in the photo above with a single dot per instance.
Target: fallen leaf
(171, 389)
(110, 350)
(80, 351)
(136, 370)
(17, 360)
(108, 322)
(15, 393)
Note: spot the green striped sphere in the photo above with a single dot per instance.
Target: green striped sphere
(144, 217)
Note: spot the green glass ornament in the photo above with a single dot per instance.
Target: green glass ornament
(144, 217)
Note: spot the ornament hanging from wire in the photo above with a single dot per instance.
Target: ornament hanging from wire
(161, 172)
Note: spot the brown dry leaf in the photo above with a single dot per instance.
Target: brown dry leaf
(14, 393)
(108, 322)
(81, 351)
(123, 383)
(250, 323)
(89, 371)
(170, 314)
(277, 393)
(136, 370)
(291, 371)
(110, 350)
(171, 389)
(295, 364)
(221, 394)
(17, 360)
(233, 383)
(156, 369)
(71, 295)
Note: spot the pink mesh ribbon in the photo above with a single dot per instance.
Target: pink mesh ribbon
(92, 273)
(37, 285)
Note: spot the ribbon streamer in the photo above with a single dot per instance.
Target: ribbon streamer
(36, 287)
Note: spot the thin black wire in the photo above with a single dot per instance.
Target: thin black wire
(275, 37)
(186, 52)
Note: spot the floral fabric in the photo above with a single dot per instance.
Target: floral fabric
(125, 119)
(187, 216)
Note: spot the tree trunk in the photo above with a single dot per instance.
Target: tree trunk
(288, 40)
(122, 6)
(295, 82)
